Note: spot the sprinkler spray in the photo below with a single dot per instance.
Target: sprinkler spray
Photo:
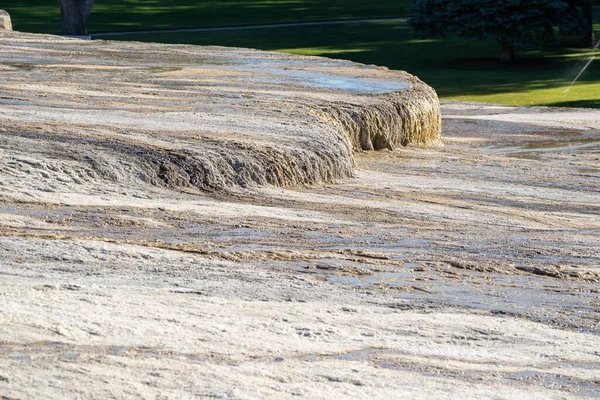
(583, 69)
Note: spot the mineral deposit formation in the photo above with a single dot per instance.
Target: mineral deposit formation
(167, 230)
(5, 23)
(207, 118)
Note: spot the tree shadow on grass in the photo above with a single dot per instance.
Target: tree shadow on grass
(578, 104)
(109, 15)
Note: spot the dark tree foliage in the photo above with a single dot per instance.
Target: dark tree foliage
(510, 22)
(587, 39)
(75, 16)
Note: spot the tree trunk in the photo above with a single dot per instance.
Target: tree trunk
(588, 39)
(507, 56)
(75, 16)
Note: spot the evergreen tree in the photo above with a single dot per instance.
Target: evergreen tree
(588, 39)
(510, 22)
(75, 16)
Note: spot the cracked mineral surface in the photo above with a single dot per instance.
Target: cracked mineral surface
(186, 222)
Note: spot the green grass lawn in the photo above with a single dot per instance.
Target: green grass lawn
(43, 16)
(457, 69)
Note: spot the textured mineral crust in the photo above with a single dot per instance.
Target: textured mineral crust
(206, 118)
(156, 241)
(5, 22)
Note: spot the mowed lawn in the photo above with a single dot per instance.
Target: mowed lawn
(458, 69)
(43, 16)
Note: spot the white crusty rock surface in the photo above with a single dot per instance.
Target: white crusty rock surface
(206, 118)
(156, 241)
(5, 22)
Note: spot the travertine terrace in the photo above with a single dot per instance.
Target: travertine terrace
(207, 118)
(188, 222)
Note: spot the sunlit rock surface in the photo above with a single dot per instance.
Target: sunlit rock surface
(206, 117)
(143, 253)
(5, 22)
